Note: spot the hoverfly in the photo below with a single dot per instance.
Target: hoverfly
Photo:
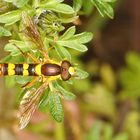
(46, 69)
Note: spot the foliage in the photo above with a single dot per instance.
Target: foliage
(4, 32)
(57, 15)
(99, 112)
(130, 76)
(107, 132)
(119, 106)
(55, 106)
(103, 6)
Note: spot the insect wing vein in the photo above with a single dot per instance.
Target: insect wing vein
(28, 105)
(31, 30)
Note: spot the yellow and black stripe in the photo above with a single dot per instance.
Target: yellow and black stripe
(47, 69)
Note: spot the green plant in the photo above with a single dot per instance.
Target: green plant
(103, 6)
(51, 16)
(130, 76)
(104, 131)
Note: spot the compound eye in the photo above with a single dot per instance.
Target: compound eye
(65, 75)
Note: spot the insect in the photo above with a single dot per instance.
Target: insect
(46, 69)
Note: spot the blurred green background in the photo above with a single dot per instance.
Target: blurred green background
(107, 106)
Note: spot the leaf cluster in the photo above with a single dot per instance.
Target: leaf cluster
(103, 6)
(56, 15)
(104, 131)
(130, 75)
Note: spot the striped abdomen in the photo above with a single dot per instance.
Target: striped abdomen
(47, 69)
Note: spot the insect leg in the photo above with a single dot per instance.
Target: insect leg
(28, 55)
(29, 84)
(33, 58)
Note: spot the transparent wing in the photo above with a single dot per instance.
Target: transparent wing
(31, 31)
(29, 103)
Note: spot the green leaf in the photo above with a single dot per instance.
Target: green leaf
(58, 7)
(22, 80)
(55, 106)
(50, 2)
(80, 74)
(68, 34)
(108, 132)
(11, 59)
(130, 76)
(76, 41)
(133, 61)
(77, 4)
(95, 131)
(87, 7)
(21, 44)
(83, 37)
(73, 45)
(104, 8)
(6, 59)
(70, 82)
(21, 3)
(44, 100)
(10, 81)
(62, 52)
(4, 32)
(67, 95)
(18, 3)
(122, 136)
(109, 0)
(11, 17)
(68, 19)
(62, 8)
(9, 0)
(11, 47)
